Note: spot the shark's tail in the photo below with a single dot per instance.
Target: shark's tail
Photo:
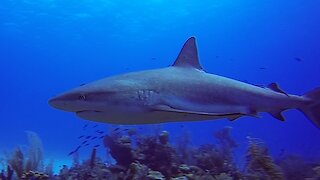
(312, 111)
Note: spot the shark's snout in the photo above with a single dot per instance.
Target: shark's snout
(73, 101)
(57, 102)
(66, 102)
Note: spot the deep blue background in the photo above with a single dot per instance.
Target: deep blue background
(49, 46)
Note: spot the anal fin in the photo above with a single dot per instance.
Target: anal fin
(278, 115)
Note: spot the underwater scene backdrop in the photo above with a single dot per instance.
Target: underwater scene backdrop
(50, 46)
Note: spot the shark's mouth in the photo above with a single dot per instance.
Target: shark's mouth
(92, 115)
(88, 111)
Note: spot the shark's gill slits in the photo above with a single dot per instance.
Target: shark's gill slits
(82, 97)
(146, 94)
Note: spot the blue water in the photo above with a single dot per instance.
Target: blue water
(50, 46)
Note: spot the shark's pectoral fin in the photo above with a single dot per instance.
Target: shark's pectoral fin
(171, 109)
(278, 115)
(233, 118)
(276, 87)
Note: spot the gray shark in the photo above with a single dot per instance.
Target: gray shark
(181, 92)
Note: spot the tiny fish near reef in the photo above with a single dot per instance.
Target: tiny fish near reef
(181, 92)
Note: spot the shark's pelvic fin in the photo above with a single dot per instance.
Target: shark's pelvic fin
(276, 87)
(188, 56)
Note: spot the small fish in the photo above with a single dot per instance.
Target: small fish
(98, 145)
(262, 68)
(88, 137)
(86, 145)
(86, 125)
(298, 59)
(71, 153)
(84, 142)
(99, 132)
(94, 137)
(95, 126)
(101, 137)
(80, 137)
(217, 57)
(153, 58)
(116, 129)
(82, 84)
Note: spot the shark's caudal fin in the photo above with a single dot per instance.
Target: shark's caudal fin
(313, 111)
(188, 56)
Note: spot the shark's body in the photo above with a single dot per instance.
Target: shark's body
(182, 92)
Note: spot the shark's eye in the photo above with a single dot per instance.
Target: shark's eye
(82, 97)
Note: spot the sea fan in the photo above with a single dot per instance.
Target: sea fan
(260, 164)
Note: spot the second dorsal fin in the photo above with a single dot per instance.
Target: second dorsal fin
(275, 87)
(188, 56)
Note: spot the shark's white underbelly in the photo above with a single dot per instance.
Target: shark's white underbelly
(144, 118)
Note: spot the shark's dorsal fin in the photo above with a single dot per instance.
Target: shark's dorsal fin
(188, 56)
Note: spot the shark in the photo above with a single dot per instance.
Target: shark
(181, 92)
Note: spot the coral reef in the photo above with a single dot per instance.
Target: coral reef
(184, 149)
(93, 158)
(296, 168)
(155, 157)
(260, 164)
(16, 162)
(34, 175)
(28, 165)
(156, 153)
(35, 153)
(8, 175)
(120, 148)
(218, 159)
(86, 171)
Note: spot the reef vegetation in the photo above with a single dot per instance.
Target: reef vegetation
(27, 165)
(155, 157)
